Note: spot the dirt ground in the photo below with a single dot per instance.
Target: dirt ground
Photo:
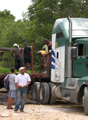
(34, 111)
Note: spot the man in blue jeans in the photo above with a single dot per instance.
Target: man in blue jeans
(22, 81)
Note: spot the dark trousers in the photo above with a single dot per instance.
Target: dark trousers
(18, 63)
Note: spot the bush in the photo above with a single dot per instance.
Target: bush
(4, 70)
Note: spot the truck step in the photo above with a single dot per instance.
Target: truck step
(67, 98)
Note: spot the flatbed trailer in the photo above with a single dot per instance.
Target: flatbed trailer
(35, 77)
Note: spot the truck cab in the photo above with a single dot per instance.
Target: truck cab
(69, 62)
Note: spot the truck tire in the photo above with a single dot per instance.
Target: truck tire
(86, 100)
(52, 98)
(44, 93)
(53, 91)
(35, 91)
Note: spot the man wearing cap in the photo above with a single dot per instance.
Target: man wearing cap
(17, 55)
(22, 81)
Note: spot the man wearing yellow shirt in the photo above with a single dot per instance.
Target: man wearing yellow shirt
(42, 54)
(45, 47)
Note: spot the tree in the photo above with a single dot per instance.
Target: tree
(73, 8)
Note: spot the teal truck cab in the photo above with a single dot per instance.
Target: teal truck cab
(67, 65)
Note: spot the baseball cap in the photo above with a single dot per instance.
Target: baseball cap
(15, 45)
(21, 68)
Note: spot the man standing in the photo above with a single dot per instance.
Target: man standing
(27, 55)
(12, 88)
(22, 81)
(17, 55)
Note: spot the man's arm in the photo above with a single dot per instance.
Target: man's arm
(12, 54)
(22, 50)
(17, 86)
(5, 78)
(29, 81)
(27, 84)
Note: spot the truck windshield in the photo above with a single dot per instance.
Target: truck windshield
(80, 33)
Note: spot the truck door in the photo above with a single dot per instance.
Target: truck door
(60, 64)
(80, 63)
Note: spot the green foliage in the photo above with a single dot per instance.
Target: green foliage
(36, 25)
(4, 70)
(73, 8)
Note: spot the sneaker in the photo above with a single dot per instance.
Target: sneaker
(15, 110)
(21, 111)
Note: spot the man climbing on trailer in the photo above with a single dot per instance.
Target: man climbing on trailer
(45, 47)
(42, 55)
(17, 55)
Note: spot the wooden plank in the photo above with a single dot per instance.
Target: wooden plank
(32, 56)
(6, 49)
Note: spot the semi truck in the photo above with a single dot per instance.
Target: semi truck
(66, 75)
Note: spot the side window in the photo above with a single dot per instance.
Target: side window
(81, 50)
(57, 54)
(59, 35)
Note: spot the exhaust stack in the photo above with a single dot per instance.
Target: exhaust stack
(68, 58)
(70, 31)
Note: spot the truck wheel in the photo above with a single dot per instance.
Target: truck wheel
(35, 91)
(86, 100)
(44, 93)
(52, 98)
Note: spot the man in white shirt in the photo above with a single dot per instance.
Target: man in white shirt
(22, 81)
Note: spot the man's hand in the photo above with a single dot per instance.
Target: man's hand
(18, 86)
(27, 84)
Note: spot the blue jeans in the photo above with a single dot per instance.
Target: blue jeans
(20, 98)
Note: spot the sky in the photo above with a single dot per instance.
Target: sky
(16, 7)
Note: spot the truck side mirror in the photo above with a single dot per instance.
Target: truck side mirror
(74, 52)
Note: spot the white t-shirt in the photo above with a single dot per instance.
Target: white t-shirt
(22, 79)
